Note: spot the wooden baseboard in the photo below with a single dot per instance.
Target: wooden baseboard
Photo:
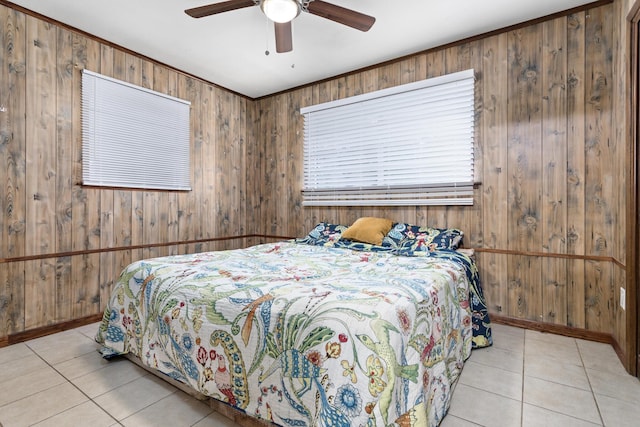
(567, 331)
(48, 330)
(621, 354)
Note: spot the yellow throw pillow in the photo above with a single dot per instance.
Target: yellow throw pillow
(368, 230)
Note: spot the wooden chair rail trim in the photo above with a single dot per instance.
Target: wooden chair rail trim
(132, 247)
(553, 255)
(269, 236)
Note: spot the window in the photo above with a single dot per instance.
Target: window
(407, 145)
(133, 137)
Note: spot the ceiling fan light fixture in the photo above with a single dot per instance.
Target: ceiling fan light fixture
(280, 10)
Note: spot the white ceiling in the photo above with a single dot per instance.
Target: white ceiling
(229, 49)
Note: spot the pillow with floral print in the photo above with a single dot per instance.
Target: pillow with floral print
(323, 234)
(416, 238)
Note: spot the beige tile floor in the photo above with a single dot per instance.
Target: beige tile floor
(526, 379)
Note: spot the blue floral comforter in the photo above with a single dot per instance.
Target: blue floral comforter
(301, 335)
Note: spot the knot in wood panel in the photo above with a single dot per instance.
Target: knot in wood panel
(573, 235)
(17, 227)
(529, 221)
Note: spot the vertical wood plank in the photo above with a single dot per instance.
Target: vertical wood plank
(598, 175)
(495, 171)
(524, 156)
(239, 149)
(554, 179)
(209, 181)
(265, 191)
(389, 75)
(294, 162)
(253, 171)
(85, 272)
(40, 290)
(576, 127)
(222, 171)
(92, 261)
(238, 183)
(64, 171)
(281, 143)
(13, 83)
(186, 205)
(172, 214)
(197, 161)
(108, 269)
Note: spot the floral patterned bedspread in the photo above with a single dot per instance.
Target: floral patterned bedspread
(300, 335)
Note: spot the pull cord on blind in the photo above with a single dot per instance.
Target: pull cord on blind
(407, 145)
(133, 137)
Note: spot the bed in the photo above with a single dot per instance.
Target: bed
(318, 331)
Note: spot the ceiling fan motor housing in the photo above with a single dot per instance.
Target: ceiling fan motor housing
(280, 11)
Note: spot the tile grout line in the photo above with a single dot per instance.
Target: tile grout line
(150, 375)
(70, 382)
(34, 393)
(490, 392)
(581, 365)
(176, 391)
(147, 374)
(141, 409)
(586, 374)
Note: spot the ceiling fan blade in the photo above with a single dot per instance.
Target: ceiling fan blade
(212, 9)
(339, 14)
(284, 39)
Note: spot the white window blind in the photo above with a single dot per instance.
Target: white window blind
(406, 145)
(133, 137)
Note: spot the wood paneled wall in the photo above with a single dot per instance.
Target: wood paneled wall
(45, 212)
(548, 217)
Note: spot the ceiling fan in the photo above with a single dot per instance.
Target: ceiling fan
(282, 12)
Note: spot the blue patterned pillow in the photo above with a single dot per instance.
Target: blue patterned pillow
(323, 234)
(415, 238)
